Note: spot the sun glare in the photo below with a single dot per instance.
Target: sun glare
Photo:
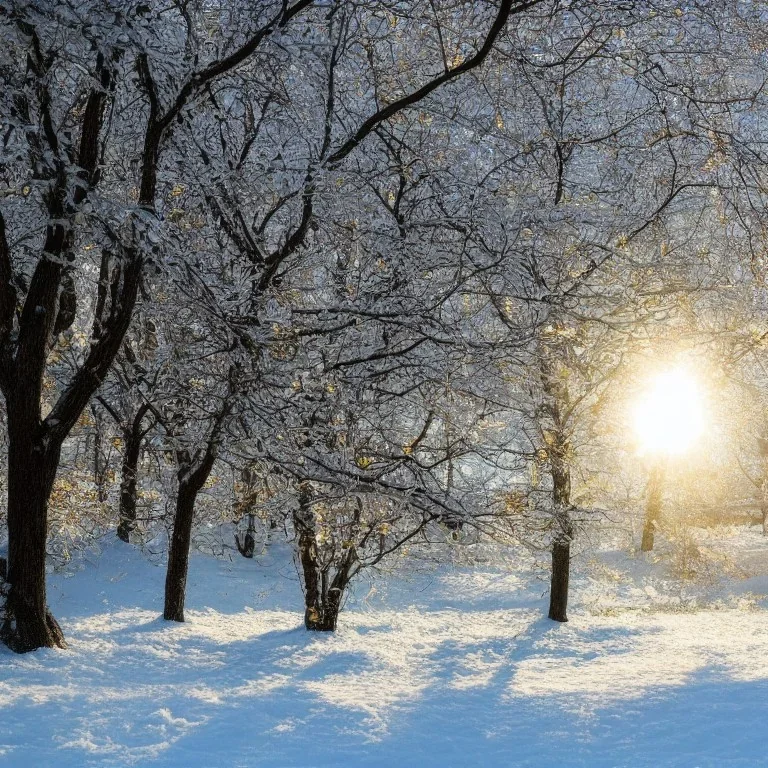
(669, 416)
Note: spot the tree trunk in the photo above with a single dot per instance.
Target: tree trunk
(100, 466)
(764, 511)
(331, 605)
(558, 593)
(127, 513)
(193, 473)
(192, 476)
(321, 603)
(322, 600)
(652, 509)
(248, 545)
(178, 554)
(310, 568)
(558, 447)
(563, 534)
(27, 623)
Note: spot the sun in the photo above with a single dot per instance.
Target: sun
(669, 416)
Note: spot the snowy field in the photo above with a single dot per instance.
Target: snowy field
(453, 666)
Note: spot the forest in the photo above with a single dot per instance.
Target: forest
(384, 382)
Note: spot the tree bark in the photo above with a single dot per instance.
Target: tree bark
(192, 478)
(652, 509)
(322, 600)
(561, 543)
(27, 622)
(178, 554)
(99, 466)
(193, 473)
(49, 308)
(130, 463)
(558, 593)
(248, 545)
(558, 447)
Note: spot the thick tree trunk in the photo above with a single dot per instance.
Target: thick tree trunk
(322, 600)
(321, 606)
(178, 554)
(558, 593)
(192, 476)
(652, 509)
(27, 623)
(329, 608)
(127, 513)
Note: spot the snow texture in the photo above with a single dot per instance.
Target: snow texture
(450, 666)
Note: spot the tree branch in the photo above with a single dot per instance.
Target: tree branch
(507, 9)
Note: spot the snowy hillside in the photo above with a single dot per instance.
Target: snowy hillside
(450, 667)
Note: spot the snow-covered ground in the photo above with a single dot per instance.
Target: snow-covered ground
(450, 666)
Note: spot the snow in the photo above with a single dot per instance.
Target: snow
(449, 665)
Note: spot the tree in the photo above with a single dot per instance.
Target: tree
(273, 247)
(594, 181)
(58, 139)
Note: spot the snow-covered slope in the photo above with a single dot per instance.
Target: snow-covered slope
(450, 666)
